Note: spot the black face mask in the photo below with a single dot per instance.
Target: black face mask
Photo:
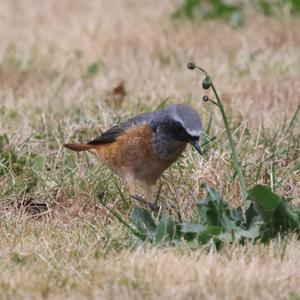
(175, 130)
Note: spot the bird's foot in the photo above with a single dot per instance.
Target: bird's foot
(152, 206)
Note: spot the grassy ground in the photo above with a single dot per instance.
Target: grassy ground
(60, 61)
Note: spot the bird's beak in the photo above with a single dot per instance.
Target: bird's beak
(196, 145)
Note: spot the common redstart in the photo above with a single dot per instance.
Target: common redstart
(142, 148)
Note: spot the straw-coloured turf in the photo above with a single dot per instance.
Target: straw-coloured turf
(59, 64)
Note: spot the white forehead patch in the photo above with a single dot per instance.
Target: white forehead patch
(177, 118)
(193, 132)
(191, 122)
(190, 131)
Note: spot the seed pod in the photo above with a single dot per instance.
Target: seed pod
(205, 98)
(191, 66)
(206, 83)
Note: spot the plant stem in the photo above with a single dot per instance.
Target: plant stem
(235, 156)
(120, 218)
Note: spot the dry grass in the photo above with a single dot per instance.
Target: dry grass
(48, 97)
(82, 260)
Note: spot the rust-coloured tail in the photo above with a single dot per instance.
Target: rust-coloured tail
(79, 147)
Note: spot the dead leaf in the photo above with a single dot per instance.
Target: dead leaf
(117, 95)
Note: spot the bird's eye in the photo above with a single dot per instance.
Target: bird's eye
(179, 133)
(193, 138)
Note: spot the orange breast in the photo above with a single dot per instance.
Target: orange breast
(132, 155)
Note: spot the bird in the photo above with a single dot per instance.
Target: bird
(140, 149)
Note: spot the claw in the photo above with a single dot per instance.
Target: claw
(150, 205)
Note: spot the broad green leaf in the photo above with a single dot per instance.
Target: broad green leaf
(278, 215)
(251, 215)
(239, 234)
(210, 209)
(166, 229)
(295, 6)
(236, 214)
(251, 233)
(214, 211)
(286, 217)
(264, 198)
(143, 220)
(191, 228)
(209, 233)
(190, 231)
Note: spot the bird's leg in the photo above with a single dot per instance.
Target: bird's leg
(150, 191)
(131, 188)
(151, 205)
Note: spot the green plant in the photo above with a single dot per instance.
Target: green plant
(267, 215)
(93, 69)
(216, 9)
(24, 167)
(269, 8)
(232, 13)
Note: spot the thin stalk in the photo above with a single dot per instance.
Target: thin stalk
(206, 84)
(235, 157)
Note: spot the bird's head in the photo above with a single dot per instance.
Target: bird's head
(180, 122)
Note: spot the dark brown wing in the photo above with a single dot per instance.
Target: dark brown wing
(110, 135)
(113, 133)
